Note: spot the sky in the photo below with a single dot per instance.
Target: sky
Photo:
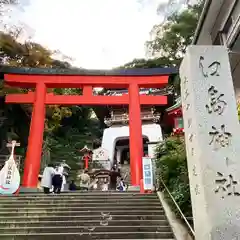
(97, 34)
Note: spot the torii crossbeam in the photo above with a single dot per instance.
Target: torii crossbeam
(41, 79)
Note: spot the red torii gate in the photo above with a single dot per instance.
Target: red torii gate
(41, 79)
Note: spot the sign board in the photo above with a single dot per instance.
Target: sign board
(9, 174)
(147, 173)
(100, 154)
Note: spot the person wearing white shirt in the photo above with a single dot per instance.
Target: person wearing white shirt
(46, 182)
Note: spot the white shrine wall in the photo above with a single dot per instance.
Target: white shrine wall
(111, 135)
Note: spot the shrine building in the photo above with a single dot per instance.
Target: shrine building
(219, 24)
(175, 117)
(116, 137)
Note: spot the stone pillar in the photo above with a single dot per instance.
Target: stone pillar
(212, 142)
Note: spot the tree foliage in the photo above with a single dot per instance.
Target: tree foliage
(61, 140)
(172, 166)
(238, 110)
(170, 41)
(174, 35)
(31, 54)
(76, 132)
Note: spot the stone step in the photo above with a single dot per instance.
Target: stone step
(77, 200)
(86, 229)
(81, 217)
(90, 236)
(55, 208)
(55, 197)
(101, 222)
(78, 204)
(75, 212)
(84, 193)
(91, 192)
(59, 197)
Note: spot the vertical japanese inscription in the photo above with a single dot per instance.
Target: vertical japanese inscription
(189, 122)
(197, 187)
(187, 105)
(185, 93)
(9, 175)
(194, 171)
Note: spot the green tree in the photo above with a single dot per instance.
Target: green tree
(171, 39)
(75, 132)
(28, 54)
(67, 129)
(172, 166)
(174, 35)
(31, 54)
(238, 110)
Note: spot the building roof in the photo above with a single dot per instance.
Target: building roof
(206, 7)
(213, 17)
(117, 72)
(177, 105)
(153, 91)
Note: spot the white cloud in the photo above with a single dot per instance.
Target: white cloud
(96, 33)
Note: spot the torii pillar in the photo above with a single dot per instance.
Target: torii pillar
(135, 130)
(35, 139)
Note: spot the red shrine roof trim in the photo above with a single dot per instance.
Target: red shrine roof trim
(85, 72)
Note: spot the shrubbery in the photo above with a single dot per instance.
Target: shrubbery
(172, 167)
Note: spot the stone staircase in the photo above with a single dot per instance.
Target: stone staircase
(81, 215)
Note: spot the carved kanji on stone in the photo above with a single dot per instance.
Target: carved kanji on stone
(213, 68)
(220, 138)
(186, 94)
(216, 103)
(196, 189)
(226, 185)
(189, 121)
(194, 171)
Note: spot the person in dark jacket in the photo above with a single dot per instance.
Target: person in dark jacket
(72, 186)
(113, 178)
(57, 180)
